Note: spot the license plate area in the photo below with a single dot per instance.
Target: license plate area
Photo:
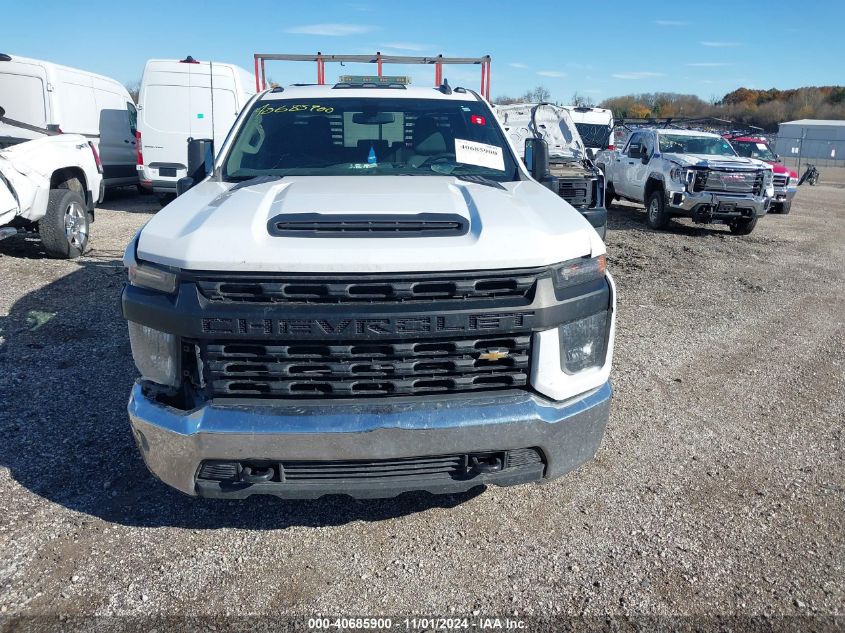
(168, 172)
(726, 207)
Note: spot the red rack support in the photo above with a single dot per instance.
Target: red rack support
(439, 61)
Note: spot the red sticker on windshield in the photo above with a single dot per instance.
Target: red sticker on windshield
(477, 119)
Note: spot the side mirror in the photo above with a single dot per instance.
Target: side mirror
(183, 184)
(644, 155)
(200, 158)
(2, 112)
(537, 158)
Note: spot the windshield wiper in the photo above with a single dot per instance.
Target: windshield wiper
(255, 180)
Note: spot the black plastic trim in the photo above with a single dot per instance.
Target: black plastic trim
(368, 225)
(190, 314)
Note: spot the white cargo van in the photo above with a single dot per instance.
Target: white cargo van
(175, 104)
(595, 125)
(49, 97)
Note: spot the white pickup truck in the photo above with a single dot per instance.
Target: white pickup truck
(680, 172)
(368, 293)
(50, 185)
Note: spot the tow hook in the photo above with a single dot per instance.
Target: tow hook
(485, 463)
(257, 474)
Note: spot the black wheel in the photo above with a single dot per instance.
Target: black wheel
(656, 214)
(166, 198)
(742, 227)
(786, 207)
(64, 228)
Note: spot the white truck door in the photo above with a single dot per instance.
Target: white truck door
(623, 164)
(639, 171)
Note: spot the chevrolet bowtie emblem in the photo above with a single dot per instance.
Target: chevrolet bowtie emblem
(494, 354)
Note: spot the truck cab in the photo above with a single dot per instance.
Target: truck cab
(368, 293)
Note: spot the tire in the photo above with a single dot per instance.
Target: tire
(786, 207)
(65, 227)
(742, 227)
(656, 214)
(609, 194)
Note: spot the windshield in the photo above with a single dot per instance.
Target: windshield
(685, 144)
(367, 137)
(751, 149)
(594, 135)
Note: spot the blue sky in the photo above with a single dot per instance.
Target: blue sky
(597, 49)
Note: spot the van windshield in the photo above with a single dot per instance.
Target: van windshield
(686, 144)
(367, 137)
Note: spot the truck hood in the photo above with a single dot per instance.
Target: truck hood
(213, 228)
(716, 162)
(780, 168)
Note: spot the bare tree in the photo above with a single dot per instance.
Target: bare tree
(581, 101)
(540, 94)
(134, 88)
(506, 100)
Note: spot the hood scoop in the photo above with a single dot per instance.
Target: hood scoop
(368, 225)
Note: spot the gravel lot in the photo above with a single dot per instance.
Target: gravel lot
(719, 488)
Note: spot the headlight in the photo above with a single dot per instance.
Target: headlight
(677, 174)
(793, 182)
(579, 271)
(153, 277)
(583, 343)
(155, 354)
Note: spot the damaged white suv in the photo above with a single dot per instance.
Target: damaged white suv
(368, 294)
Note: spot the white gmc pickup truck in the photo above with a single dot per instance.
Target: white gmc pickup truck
(368, 293)
(680, 172)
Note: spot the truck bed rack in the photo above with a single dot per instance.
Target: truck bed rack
(438, 61)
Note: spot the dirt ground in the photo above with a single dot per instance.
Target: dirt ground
(719, 487)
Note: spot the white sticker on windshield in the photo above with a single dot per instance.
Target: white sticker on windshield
(761, 146)
(472, 153)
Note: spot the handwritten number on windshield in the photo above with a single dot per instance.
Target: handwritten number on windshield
(298, 107)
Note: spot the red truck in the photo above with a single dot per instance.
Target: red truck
(785, 180)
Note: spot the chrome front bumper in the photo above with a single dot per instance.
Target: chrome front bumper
(717, 206)
(174, 443)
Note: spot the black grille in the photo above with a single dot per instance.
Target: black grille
(382, 225)
(258, 369)
(459, 466)
(780, 181)
(578, 193)
(397, 288)
(739, 182)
